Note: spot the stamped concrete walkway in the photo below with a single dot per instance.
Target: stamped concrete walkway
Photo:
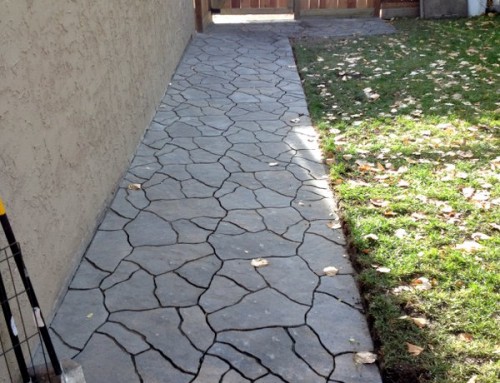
(230, 172)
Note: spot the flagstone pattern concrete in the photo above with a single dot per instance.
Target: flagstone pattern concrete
(230, 171)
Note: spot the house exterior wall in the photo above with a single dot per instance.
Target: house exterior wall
(79, 83)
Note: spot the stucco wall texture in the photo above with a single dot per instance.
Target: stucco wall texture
(79, 83)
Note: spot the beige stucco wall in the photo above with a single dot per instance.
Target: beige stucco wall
(79, 83)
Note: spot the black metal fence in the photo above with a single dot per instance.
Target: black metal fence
(24, 337)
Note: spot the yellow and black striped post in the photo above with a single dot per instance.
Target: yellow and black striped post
(39, 321)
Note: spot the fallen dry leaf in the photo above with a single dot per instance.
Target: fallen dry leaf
(373, 237)
(418, 216)
(383, 270)
(330, 161)
(481, 195)
(421, 283)
(330, 271)
(364, 168)
(468, 192)
(259, 262)
(365, 357)
(413, 349)
(403, 184)
(273, 164)
(465, 337)
(480, 236)
(390, 213)
(472, 379)
(420, 322)
(400, 233)
(495, 226)
(469, 246)
(134, 187)
(334, 225)
(379, 202)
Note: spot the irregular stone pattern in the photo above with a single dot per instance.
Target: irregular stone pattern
(230, 171)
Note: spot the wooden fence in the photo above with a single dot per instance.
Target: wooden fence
(306, 7)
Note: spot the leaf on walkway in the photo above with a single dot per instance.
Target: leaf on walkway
(414, 349)
(334, 225)
(330, 271)
(259, 262)
(365, 357)
(273, 164)
(134, 187)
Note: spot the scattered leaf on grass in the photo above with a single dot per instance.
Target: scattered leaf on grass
(390, 213)
(465, 337)
(472, 379)
(364, 168)
(259, 262)
(403, 184)
(480, 236)
(379, 202)
(330, 271)
(413, 349)
(447, 209)
(469, 246)
(495, 226)
(421, 283)
(481, 195)
(365, 357)
(420, 322)
(418, 216)
(373, 237)
(134, 187)
(400, 233)
(383, 270)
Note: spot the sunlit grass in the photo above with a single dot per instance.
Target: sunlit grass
(410, 124)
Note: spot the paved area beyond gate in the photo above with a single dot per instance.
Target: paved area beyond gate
(229, 173)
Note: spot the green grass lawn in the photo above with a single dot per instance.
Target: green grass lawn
(410, 128)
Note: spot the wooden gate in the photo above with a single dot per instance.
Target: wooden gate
(299, 7)
(347, 8)
(229, 7)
